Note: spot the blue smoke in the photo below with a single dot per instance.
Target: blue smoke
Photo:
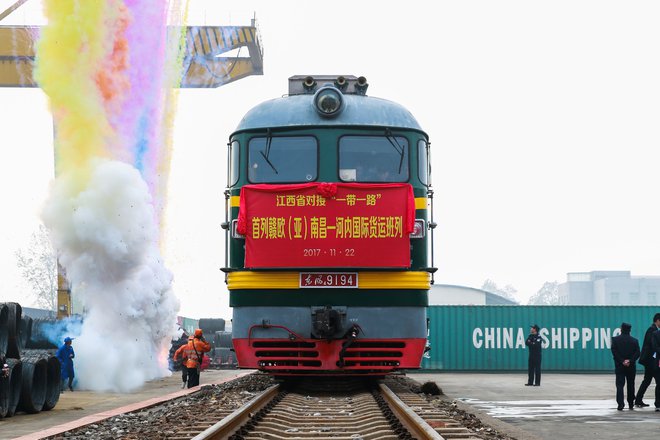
(56, 331)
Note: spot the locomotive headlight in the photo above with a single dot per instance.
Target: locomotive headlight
(420, 229)
(328, 101)
(234, 230)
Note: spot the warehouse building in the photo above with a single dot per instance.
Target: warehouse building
(448, 294)
(609, 288)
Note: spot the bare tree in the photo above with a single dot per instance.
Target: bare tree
(38, 265)
(508, 291)
(547, 295)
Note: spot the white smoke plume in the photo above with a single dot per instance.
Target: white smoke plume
(107, 238)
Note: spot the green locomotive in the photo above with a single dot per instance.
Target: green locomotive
(329, 232)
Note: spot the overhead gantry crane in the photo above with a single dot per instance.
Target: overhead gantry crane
(206, 65)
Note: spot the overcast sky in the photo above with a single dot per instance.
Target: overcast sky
(544, 119)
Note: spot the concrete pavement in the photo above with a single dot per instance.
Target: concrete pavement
(565, 406)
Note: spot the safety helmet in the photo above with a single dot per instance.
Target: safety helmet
(198, 333)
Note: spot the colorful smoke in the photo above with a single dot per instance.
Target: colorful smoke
(108, 68)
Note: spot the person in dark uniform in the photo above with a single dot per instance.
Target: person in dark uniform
(534, 343)
(625, 351)
(646, 359)
(655, 346)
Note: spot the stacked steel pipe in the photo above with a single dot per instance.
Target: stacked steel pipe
(4, 396)
(38, 336)
(15, 379)
(14, 312)
(33, 382)
(25, 332)
(10, 385)
(53, 378)
(33, 385)
(47, 360)
(4, 329)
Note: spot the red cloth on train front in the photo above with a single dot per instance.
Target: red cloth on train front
(326, 225)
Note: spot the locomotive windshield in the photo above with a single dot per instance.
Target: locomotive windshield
(282, 159)
(373, 159)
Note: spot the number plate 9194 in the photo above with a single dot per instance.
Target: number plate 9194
(328, 279)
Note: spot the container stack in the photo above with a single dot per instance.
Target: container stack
(211, 325)
(221, 354)
(223, 350)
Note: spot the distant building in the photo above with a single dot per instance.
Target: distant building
(613, 288)
(447, 294)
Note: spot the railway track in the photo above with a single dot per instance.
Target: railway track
(331, 410)
(256, 407)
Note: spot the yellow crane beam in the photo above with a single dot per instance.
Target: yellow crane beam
(12, 8)
(204, 66)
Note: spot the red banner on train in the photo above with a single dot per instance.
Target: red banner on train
(327, 225)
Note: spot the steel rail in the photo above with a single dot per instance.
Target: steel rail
(233, 422)
(417, 426)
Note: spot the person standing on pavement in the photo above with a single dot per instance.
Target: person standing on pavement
(65, 354)
(625, 351)
(655, 346)
(179, 353)
(646, 359)
(534, 343)
(193, 354)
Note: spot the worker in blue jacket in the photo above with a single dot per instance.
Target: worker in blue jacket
(65, 354)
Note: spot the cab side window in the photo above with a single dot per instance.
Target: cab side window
(233, 175)
(423, 162)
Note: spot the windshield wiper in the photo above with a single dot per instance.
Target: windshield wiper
(269, 140)
(399, 148)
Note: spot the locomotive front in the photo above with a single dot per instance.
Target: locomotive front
(329, 224)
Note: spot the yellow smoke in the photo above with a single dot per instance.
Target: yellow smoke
(72, 47)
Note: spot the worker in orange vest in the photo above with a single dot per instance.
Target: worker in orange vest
(178, 354)
(193, 353)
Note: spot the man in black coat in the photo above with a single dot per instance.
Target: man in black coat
(625, 351)
(646, 359)
(655, 346)
(534, 343)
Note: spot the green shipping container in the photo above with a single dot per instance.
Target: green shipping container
(187, 324)
(492, 338)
